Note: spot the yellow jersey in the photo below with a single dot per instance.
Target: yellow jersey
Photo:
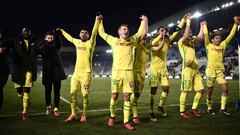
(187, 52)
(215, 53)
(122, 48)
(141, 53)
(158, 58)
(84, 50)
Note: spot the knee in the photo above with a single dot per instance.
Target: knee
(201, 91)
(86, 87)
(153, 90)
(127, 96)
(225, 89)
(136, 95)
(165, 89)
(115, 96)
(210, 90)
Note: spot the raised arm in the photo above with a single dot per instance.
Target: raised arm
(187, 30)
(102, 32)
(205, 32)
(95, 28)
(180, 25)
(143, 28)
(160, 45)
(200, 36)
(234, 29)
(66, 35)
(108, 38)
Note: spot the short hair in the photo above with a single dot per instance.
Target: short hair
(122, 26)
(48, 33)
(212, 36)
(161, 26)
(84, 28)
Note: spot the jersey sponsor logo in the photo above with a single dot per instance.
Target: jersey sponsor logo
(217, 49)
(81, 48)
(126, 43)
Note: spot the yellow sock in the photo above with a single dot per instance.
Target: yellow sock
(209, 104)
(126, 111)
(223, 102)
(25, 102)
(196, 100)
(151, 98)
(182, 101)
(113, 107)
(134, 105)
(85, 103)
(74, 104)
(163, 98)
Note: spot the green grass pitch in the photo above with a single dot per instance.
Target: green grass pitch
(98, 114)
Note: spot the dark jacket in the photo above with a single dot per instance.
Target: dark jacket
(52, 70)
(4, 68)
(23, 59)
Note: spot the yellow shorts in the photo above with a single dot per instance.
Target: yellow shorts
(122, 80)
(213, 75)
(28, 81)
(158, 76)
(81, 81)
(139, 78)
(191, 79)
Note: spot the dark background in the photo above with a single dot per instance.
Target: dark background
(45, 15)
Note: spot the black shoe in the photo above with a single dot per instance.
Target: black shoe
(225, 112)
(211, 112)
(152, 117)
(162, 112)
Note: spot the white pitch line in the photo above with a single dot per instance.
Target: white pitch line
(68, 102)
(96, 110)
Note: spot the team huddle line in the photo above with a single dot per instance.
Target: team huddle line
(130, 55)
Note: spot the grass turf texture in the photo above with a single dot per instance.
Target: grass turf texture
(98, 114)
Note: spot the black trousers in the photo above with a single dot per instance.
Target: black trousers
(20, 90)
(48, 91)
(1, 95)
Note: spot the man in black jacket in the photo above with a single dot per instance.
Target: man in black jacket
(4, 69)
(24, 70)
(53, 71)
